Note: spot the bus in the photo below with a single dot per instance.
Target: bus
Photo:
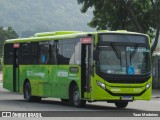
(79, 67)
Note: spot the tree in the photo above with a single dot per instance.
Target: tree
(133, 15)
(6, 33)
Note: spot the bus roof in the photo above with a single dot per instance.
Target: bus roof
(45, 38)
(57, 35)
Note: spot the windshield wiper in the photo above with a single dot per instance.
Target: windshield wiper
(116, 51)
(118, 54)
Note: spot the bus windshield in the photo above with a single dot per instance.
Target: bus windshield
(124, 58)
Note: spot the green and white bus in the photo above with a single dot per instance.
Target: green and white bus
(111, 66)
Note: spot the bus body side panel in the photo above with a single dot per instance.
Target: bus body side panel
(8, 77)
(49, 87)
(49, 80)
(64, 77)
(60, 89)
(52, 79)
(38, 78)
(44, 88)
(27, 73)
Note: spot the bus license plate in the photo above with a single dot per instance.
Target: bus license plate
(127, 98)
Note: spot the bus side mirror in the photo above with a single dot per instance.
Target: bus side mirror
(94, 55)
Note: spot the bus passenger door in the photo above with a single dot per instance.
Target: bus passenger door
(85, 68)
(16, 67)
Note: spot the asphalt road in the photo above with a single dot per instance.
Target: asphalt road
(15, 102)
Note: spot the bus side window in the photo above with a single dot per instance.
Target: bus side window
(34, 52)
(24, 53)
(29, 53)
(44, 52)
(52, 53)
(65, 51)
(76, 57)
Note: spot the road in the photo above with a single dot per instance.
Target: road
(15, 102)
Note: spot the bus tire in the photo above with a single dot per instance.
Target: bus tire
(121, 104)
(75, 98)
(27, 94)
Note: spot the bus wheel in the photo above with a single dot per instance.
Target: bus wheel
(121, 104)
(27, 92)
(75, 98)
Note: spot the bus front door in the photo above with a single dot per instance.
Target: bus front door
(85, 70)
(15, 68)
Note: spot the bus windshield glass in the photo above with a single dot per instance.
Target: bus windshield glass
(125, 58)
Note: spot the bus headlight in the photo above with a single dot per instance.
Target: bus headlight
(102, 85)
(148, 85)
